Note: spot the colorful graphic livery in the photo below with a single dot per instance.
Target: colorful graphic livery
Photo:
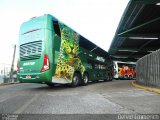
(68, 60)
(50, 52)
(124, 70)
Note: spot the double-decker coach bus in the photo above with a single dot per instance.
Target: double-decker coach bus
(50, 52)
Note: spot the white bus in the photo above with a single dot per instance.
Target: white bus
(124, 70)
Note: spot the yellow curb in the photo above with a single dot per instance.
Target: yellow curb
(3, 84)
(146, 88)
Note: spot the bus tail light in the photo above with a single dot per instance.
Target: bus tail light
(46, 65)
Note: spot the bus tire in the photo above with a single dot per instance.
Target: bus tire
(125, 77)
(107, 78)
(85, 79)
(130, 77)
(75, 80)
(110, 78)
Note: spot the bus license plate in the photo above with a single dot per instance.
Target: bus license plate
(28, 77)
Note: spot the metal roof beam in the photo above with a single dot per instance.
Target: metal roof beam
(148, 35)
(146, 1)
(141, 47)
(139, 26)
(127, 56)
(125, 60)
(134, 49)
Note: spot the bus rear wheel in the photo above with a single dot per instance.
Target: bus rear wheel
(107, 78)
(110, 78)
(126, 77)
(130, 77)
(85, 79)
(75, 80)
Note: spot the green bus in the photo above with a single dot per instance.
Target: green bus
(51, 52)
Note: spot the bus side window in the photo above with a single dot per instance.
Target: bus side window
(91, 63)
(56, 28)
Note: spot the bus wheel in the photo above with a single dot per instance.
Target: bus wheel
(130, 77)
(85, 79)
(110, 78)
(75, 80)
(126, 77)
(107, 79)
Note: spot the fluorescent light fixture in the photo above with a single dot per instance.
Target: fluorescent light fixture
(150, 51)
(146, 38)
(119, 57)
(157, 3)
(127, 50)
(126, 62)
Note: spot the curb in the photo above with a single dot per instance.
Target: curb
(146, 88)
(4, 84)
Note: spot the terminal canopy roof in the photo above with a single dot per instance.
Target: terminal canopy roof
(138, 33)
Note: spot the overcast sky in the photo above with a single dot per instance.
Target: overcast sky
(96, 20)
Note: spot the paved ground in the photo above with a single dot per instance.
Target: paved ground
(117, 96)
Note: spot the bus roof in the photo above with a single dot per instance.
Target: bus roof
(85, 43)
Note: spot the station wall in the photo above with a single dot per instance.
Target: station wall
(148, 70)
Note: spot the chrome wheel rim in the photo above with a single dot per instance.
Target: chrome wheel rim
(75, 80)
(85, 79)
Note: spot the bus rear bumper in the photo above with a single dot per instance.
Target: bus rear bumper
(34, 78)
